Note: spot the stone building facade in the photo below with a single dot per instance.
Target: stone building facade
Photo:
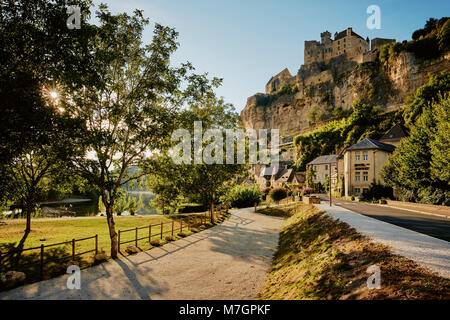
(346, 42)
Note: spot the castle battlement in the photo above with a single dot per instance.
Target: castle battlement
(346, 42)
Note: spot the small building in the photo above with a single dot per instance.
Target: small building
(362, 165)
(321, 167)
(393, 136)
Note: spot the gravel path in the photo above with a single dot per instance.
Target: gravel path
(425, 250)
(228, 261)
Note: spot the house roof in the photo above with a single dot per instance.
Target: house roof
(283, 175)
(371, 144)
(394, 134)
(269, 171)
(332, 158)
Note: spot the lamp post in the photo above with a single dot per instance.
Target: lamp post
(329, 185)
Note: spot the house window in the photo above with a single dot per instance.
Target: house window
(315, 168)
(365, 155)
(357, 156)
(357, 190)
(365, 176)
(326, 167)
(357, 177)
(315, 177)
(365, 190)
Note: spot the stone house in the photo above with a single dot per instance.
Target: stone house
(362, 165)
(321, 167)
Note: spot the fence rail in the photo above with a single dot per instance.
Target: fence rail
(175, 225)
(42, 248)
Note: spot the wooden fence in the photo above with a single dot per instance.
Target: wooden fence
(41, 248)
(181, 224)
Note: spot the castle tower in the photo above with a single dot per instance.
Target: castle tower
(325, 37)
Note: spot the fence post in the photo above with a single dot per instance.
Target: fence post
(96, 243)
(42, 262)
(161, 229)
(73, 249)
(181, 225)
(150, 233)
(118, 246)
(136, 237)
(172, 227)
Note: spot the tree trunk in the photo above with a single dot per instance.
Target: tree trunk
(112, 231)
(29, 209)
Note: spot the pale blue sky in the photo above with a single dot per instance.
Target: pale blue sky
(247, 41)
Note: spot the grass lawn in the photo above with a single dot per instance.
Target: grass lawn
(61, 230)
(321, 258)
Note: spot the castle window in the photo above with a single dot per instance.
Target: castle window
(365, 176)
(357, 156)
(357, 176)
(365, 155)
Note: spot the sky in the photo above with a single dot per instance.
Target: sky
(246, 42)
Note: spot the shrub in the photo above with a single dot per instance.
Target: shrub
(377, 191)
(169, 238)
(278, 194)
(242, 197)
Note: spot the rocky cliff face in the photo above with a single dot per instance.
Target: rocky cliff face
(340, 83)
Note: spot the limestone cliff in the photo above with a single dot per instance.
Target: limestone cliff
(337, 84)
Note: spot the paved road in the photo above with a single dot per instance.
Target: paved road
(423, 249)
(430, 225)
(228, 261)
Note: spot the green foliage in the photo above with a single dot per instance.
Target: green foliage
(424, 96)
(309, 177)
(314, 114)
(242, 197)
(326, 184)
(444, 37)
(278, 194)
(333, 136)
(420, 165)
(377, 191)
(428, 43)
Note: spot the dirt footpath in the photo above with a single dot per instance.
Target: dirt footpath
(228, 261)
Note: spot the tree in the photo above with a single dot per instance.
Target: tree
(29, 169)
(313, 114)
(37, 51)
(168, 196)
(131, 111)
(419, 166)
(201, 180)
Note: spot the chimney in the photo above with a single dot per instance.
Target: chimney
(349, 31)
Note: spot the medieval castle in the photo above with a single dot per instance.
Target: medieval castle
(346, 46)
